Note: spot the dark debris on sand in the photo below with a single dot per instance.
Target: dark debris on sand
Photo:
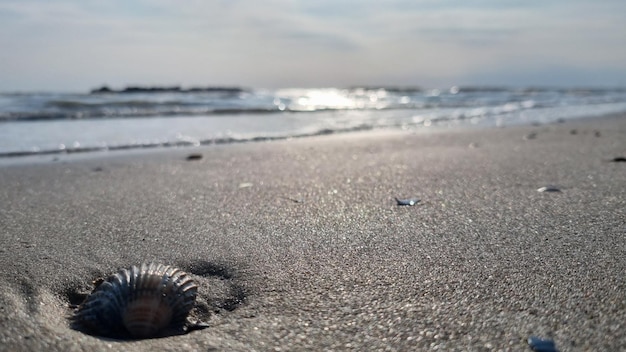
(192, 157)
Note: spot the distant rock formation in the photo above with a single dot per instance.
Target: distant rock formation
(173, 89)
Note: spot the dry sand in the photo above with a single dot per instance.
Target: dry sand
(299, 244)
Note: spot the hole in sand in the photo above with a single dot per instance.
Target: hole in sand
(223, 292)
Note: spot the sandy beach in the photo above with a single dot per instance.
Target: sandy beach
(300, 244)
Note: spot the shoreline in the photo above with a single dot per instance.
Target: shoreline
(22, 157)
(299, 244)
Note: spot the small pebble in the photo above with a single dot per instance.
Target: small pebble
(295, 200)
(408, 201)
(191, 157)
(531, 135)
(548, 189)
(198, 325)
(540, 345)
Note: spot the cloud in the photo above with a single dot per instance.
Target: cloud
(287, 42)
(554, 75)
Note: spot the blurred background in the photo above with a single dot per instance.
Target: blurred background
(93, 75)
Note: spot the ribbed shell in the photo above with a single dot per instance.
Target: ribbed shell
(138, 302)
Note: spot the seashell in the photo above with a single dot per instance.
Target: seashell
(548, 189)
(408, 201)
(541, 345)
(139, 302)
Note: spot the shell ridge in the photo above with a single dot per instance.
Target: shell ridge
(141, 278)
(119, 284)
(101, 309)
(185, 300)
(132, 283)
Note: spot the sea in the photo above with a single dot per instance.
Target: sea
(104, 119)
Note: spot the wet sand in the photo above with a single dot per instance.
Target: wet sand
(300, 244)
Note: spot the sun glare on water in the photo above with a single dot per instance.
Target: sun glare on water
(332, 98)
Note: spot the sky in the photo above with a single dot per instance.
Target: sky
(77, 45)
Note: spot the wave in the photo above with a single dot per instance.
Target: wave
(134, 111)
(138, 101)
(179, 143)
